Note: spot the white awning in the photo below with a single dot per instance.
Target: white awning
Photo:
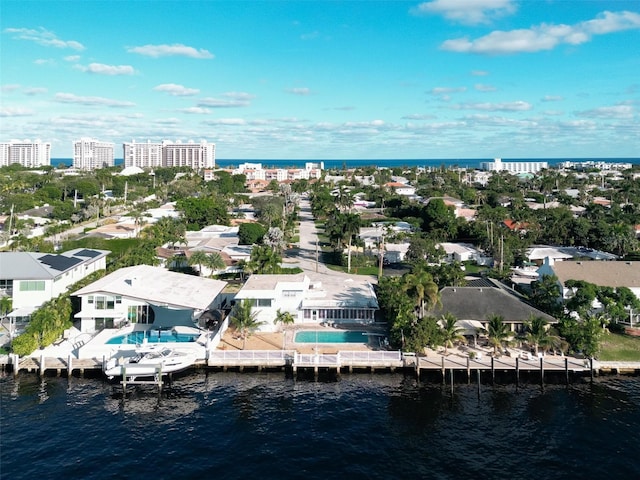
(22, 312)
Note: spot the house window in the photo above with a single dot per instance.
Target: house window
(264, 302)
(118, 299)
(32, 286)
(307, 313)
(90, 299)
(291, 293)
(100, 303)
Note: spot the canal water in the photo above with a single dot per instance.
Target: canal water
(358, 426)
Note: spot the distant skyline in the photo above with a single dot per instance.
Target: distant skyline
(327, 79)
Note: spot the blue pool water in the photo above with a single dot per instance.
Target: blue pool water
(316, 336)
(152, 336)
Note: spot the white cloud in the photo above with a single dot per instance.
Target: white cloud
(616, 111)
(479, 73)
(226, 121)
(517, 106)
(195, 110)
(43, 37)
(484, 88)
(15, 112)
(544, 36)
(44, 61)
(447, 90)
(230, 100)
(552, 98)
(177, 49)
(418, 116)
(91, 101)
(493, 121)
(471, 12)
(176, 90)
(34, 90)
(11, 87)
(299, 91)
(72, 58)
(103, 69)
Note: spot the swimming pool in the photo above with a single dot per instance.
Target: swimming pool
(152, 336)
(317, 336)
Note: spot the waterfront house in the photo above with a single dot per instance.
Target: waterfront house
(310, 298)
(146, 295)
(32, 278)
(485, 297)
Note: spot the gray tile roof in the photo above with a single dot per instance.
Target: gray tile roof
(477, 303)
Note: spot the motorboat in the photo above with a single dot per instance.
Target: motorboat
(149, 361)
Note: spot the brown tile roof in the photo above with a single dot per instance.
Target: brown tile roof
(601, 273)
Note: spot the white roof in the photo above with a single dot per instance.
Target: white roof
(158, 286)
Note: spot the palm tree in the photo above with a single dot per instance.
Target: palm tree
(425, 290)
(264, 260)
(215, 262)
(450, 331)
(244, 320)
(538, 335)
(284, 318)
(351, 227)
(198, 258)
(498, 332)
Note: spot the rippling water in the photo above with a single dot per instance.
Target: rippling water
(228, 425)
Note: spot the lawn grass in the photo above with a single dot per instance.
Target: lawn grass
(619, 347)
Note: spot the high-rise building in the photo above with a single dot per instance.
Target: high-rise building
(27, 153)
(513, 167)
(195, 155)
(170, 154)
(89, 154)
(143, 155)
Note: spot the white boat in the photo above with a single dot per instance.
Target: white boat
(150, 361)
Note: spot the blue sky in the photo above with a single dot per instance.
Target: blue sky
(329, 79)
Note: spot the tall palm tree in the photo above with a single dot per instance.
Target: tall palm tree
(420, 284)
(351, 227)
(198, 258)
(215, 262)
(243, 318)
(498, 332)
(450, 331)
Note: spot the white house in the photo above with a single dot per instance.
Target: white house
(333, 299)
(145, 294)
(463, 252)
(32, 278)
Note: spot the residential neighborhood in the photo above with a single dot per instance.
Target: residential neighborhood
(334, 250)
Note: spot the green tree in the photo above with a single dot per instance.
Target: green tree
(198, 258)
(215, 262)
(202, 211)
(538, 335)
(264, 260)
(422, 288)
(244, 320)
(546, 295)
(450, 331)
(498, 332)
(250, 233)
(283, 318)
